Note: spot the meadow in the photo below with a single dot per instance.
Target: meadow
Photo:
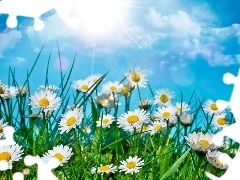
(96, 130)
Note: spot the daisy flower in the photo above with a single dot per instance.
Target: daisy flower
(163, 97)
(52, 88)
(106, 121)
(182, 107)
(166, 113)
(211, 108)
(70, 120)
(125, 90)
(144, 104)
(2, 125)
(10, 154)
(213, 158)
(157, 127)
(23, 90)
(106, 100)
(219, 121)
(94, 78)
(186, 119)
(111, 87)
(104, 169)
(201, 142)
(136, 77)
(8, 92)
(82, 85)
(131, 165)
(45, 100)
(133, 119)
(62, 153)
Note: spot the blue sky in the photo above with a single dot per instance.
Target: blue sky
(183, 45)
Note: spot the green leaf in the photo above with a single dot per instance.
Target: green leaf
(175, 165)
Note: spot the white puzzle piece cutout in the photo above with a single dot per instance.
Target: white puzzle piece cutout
(44, 169)
(34, 9)
(8, 133)
(231, 131)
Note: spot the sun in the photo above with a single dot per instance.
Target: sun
(99, 16)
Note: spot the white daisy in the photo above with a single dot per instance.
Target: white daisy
(219, 121)
(133, 119)
(82, 85)
(136, 77)
(163, 97)
(10, 154)
(52, 88)
(106, 100)
(45, 100)
(186, 119)
(9, 92)
(165, 113)
(131, 165)
(23, 90)
(211, 108)
(111, 87)
(201, 142)
(125, 90)
(62, 153)
(70, 120)
(144, 104)
(157, 127)
(94, 78)
(104, 169)
(2, 125)
(182, 107)
(213, 158)
(106, 120)
(87, 130)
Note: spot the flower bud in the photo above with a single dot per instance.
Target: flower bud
(186, 119)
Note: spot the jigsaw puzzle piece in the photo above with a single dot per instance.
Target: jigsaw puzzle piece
(8, 133)
(44, 169)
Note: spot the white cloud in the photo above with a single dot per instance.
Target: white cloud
(9, 39)
(20, 59)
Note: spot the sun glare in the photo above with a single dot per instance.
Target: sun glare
(99, 16)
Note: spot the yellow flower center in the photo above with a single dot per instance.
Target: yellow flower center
(6, 156)
(104, 168)
(157, 127)
(125, 91)
(1, 129)
(163, 98)
(214, 107)
(44, 102)
(179, 109)
(85, 87)
(219, 162)
(166, 114)
(133, 119)
(131, 165)
(113, 88)
(105, 121)
(58, 156)
(71, 121)
(204, 143)
(1, 90)
(221, 121)
(135, 77)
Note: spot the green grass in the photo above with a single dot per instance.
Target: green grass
(166, 155)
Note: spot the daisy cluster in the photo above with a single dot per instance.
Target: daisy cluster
(69, 131)
(202, 142)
